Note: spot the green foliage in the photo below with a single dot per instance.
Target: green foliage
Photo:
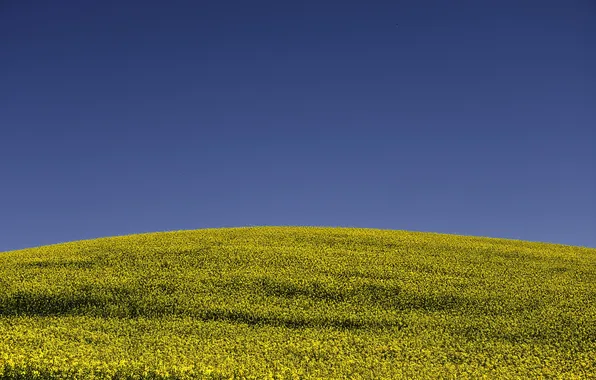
(297, 302)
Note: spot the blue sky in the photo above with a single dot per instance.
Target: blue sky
(465, 117)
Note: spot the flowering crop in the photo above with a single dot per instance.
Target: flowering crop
(297, 302)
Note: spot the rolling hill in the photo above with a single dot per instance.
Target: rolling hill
(297, 302)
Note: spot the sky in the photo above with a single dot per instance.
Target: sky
(462, 117)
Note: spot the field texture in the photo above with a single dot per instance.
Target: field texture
(297, 302)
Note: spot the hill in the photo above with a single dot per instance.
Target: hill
(308, 302)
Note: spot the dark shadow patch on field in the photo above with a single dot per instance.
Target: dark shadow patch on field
(368, 244)
(567, 330)
(125, 303)
(500, 252)
(390, 297)
(352, 274)
(45, 304)
(311, 289)
(83, 300)
(492, 306)
(550, 335)
(514, 255)
(56, 264)
(440, 269)
(557, 270)
(427, 302)
(296, 322)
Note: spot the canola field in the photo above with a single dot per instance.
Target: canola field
(298, 302)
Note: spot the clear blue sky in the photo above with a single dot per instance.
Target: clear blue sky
(468, 117)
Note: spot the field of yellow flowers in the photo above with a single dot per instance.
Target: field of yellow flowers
(297, 302)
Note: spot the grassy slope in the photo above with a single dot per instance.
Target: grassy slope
(320, 302)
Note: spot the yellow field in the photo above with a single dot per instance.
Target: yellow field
(297, 302)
